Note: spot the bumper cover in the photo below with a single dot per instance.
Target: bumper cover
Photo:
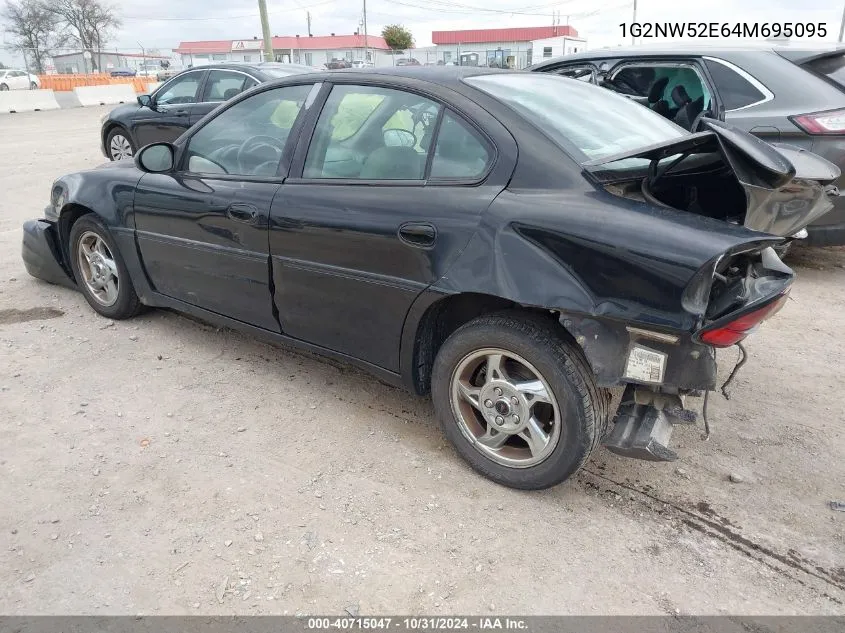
(41, 253)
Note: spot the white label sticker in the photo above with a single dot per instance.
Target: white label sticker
(646, 365)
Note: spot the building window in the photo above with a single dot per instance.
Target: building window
(247, 58)
(309, 59)
(447, 56)
(219, 57)
(547, 51)
(349, 56)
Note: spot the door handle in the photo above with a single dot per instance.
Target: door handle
(243, 213)
(419, 234)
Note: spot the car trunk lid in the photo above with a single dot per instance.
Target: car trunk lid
(784, 188)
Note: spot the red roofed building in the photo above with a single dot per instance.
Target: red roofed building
(310, 50)
(515, 47)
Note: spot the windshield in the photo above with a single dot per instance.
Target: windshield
(587, 121)
(832, 67)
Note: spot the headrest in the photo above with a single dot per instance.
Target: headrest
(657, 89)
(680, 96)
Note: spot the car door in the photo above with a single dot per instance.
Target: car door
(382, 199)
(169, 113)
(220, 86)
(18, 80)
(202, 229)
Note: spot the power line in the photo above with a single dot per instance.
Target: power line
(221, 17)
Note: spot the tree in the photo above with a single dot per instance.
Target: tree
(89, 23)
(34, 30)
(398, 38)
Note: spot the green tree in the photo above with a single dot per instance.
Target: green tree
(398, 38)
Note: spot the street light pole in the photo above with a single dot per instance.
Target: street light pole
(842, 25)
(366, 44)
(633, 40)
(143, 57)
(265, 31)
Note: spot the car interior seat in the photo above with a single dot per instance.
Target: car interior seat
(393, 163)
(688, 109)
(231, 92)
(655, 94)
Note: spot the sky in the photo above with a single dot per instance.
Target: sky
(163, 24)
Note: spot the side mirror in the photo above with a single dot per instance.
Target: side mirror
(156, 158)
(145, 100)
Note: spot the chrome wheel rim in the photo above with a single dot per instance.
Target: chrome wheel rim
(98, 268)
(505, 408)
(120, 147)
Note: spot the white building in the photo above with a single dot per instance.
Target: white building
(499, 48)
(556, 46)
(308, 50)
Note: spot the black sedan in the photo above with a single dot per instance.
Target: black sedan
(182, 101)
(513, 243)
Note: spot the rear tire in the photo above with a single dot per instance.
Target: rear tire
(100, 272)
(532, 418)
(33, 85)
(3, 87)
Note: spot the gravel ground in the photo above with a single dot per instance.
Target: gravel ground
(161, 465)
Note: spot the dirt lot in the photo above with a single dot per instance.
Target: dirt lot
(161, 465)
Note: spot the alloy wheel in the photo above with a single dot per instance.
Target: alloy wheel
(98, 268)
(505, 408)
(120, 147)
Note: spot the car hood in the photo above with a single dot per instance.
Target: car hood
(786, 188)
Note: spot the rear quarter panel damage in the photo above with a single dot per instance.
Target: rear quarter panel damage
(603, 265)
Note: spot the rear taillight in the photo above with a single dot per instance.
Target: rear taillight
(830, 122)
(734, 331)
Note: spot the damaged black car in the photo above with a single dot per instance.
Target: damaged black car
(514, 244)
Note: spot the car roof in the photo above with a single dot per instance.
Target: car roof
(797, 54)
(253, 68)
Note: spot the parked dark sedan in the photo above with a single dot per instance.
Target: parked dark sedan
(182, 101)
(480, 235)
(782, 94)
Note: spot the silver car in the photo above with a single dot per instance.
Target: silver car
(783, 94)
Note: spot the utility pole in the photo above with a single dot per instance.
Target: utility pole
(633, 40)
(842, 25)
(265, 31)
(366, 43)
(143, 57)
(308, 13)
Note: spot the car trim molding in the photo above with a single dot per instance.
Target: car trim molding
(768, 95)
(338, 271)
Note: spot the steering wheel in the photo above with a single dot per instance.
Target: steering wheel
(257, 151)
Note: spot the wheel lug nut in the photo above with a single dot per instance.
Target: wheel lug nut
(498, 391)
(514, 400)
(500, 420)
(488, 403)
(516, 419)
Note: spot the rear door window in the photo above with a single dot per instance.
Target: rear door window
(222, 85)
(734, 90)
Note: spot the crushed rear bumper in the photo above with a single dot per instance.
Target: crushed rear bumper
(41, 253)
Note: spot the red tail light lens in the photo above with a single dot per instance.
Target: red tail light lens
(830, 122)
(733, 332)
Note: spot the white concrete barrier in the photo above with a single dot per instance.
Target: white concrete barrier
(152, 87)
(27, 100)
(105, 95)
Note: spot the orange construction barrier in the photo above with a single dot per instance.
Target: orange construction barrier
(66, 83)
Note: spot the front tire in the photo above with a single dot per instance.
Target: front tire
(100, 271)
(119, 145)
(518, 400)
(33, 85)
